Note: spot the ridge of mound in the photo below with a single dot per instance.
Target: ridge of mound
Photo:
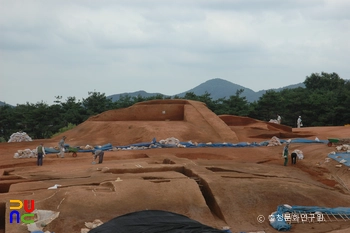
(249, 128)
(183, 119)
(232, 120)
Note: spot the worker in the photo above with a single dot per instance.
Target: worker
(285, 154)
(294, 157)
(99, 154)
(41, 154)
(279, 119)
(299, 122)
(61, 146)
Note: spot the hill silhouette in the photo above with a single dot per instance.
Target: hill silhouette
(217, 88)
(3, 103)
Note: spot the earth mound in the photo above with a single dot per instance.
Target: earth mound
(183, 119)
(253, 129)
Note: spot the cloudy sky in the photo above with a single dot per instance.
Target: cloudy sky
(68, 48)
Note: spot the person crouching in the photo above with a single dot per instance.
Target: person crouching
(99, 154)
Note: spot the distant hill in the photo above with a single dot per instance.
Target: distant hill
(220, 88)
(217, 88)
(3, 103)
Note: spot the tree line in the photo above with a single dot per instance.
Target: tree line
(324, 101)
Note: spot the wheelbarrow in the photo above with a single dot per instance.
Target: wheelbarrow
(73, 150)
(337, 141)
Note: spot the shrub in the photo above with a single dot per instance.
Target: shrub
(64, 129)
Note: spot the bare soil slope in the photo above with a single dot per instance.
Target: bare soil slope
(182, 119)
(216, 186)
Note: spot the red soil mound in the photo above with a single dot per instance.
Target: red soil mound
(160, 119)
(232, 120)
(249, 129)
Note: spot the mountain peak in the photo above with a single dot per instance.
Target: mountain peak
(216, 87)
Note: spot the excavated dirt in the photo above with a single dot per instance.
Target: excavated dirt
(215, 186)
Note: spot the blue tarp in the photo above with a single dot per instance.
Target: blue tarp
(141, 144)
(313, 209)
(280, 224)
(50, 150)
(341, 156)
(107, 146)
(241, 144)
(304, 140)
(155, 144)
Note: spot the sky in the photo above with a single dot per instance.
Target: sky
(69, 48)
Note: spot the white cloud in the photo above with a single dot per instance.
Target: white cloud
(166, 46)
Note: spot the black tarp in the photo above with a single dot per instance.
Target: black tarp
(153, 221)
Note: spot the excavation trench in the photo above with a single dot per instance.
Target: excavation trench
(203, 185)
(2, 216)
(7, 179)
(5, 184)
(206, 192)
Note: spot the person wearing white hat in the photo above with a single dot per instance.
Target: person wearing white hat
(299, 122)
(279, 119)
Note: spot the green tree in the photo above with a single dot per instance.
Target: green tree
(157, 97)
(206, 98)
(96, 103)
(138, 98)
(190, 96)
(295, 103)
(234, 105)
(124, 101)
(268, 106)
(341, 109)
(8, 123)
(73, 111)
(327, 99)
(324, 81)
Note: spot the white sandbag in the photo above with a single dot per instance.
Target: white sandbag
(274, 141)
(26, 153)
(274, 121)
(299, 153)
(20, 137)
(170, 141)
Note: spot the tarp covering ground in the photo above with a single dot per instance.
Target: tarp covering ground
(155, 144)
(341, 157)
(278, 219)
(154, 221)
